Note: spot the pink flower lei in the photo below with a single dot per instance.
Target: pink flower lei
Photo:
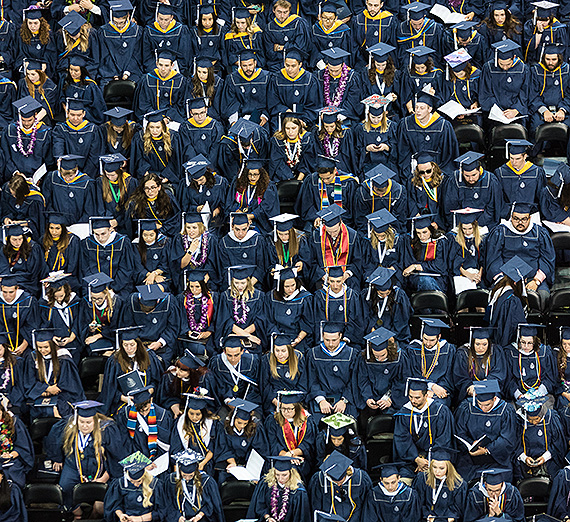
(33, 137)
(190, 307)
(198, 257)
(237, 303)
(337, 100)
(276, 513)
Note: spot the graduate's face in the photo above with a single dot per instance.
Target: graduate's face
(281, 13)
(192, 230)
(151, 189)
(136, 482)
(16, 241)
(500, 15)
(467, 229)
(149, 236)
(380, 355)
(420, 68)
(470, 177)
(164, 20)
(283, 236)
(240, 424)
(282, 476)
(486, 406)
(44, 348)
(430, 341)
(241, 24)
(495, 490)
(292, 130)
(194, 415)
(374, 120)
(130, 346)
(480, 346)
(111, 176)
(233, 354)
(425, 170)
(75, 117)
(240, 284)
(439, 468)
(533, 419)
(27, 122)
(207, 21)
(380, 66)
(422, 110)
(565, 344)
(380, 236)
(333, 230)
(289, 286)
(68, 174)
(505, 64)
(287, 410)
(391, 482)
(373, 6)
(551, 61)
(199, 115)
(202, 73)
(328, 19)
(181, 373)
(75, 72)
(248, 66)
(33, 75)
(120, 21)
(424, 234)
(187, 476)
(329, 127)
(99, 298)
(34, 25)
(240, 231)
(334, 70)
(253, 176)
(102, 234)
(542, 24)
(526, 343)
(332, 340)
(9, 293)
(195, 287)
(201, 180)
(518, 160)
(85, 424)
(337, 441)
(417, 398)
(292, 67)
(417, 24)
(281, 353)
(520, 221)
(335, 284)
(59, 294)
(55, 231)
(164, 67)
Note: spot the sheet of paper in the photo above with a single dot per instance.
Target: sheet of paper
(556, 227)
(161, 464)
(454, 109)
(496, 113)
(446, 15)
(252, 470)
(81, 230)
(173, 125)
(463, 283)
(39, 174)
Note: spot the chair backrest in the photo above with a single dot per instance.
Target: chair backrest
(472, 299)
(535, 487)
(470, 133)
(379, 424)
(500, 133)
(36, 494)
(119, 93)
(287, 192)
(561, 240)
(236, 491)
(40, 428)
(89, 492)
(555, 131)
(559, 299)
(92, 367)
(434, 299)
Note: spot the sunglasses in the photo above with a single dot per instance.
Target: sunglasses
(428, 171)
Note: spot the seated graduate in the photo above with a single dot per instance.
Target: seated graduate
(26, 142)
(331, 375)
(420, 423)
(500, 24)
(280, 495)
(254, 194)
(20, 315)
(11, 375)
(562, 379)
(117, 132)
(69, 191)
(21, 202)
(387, 305)
(287, 241)
(86, 447)
(441, 490)
(336, 302)
(289, 309)
(207, 34)
(137, 494)
(392, 499)
(244, 33)
(101, 310)
(9, 96)
(113, 189)
(425, 255)
(291, 149)
(339, 435)
(477, 360)
(559, 500)
(51, 380)
(380, 77)
(204, 83)
(242, 309)
(39, 85)
(282, 369)
(462, 85)
(240, 435)
(197, 429)
(36, 39)
(151, 255)
(494, 496)
(12, 505)
(189, 493)
(340, 487)
(130, 356)
(541, 440)
(553, 198)
(486, 428)
(334, 141)
(61, 247)
(60, 311)
(531, 366)
(23, 257)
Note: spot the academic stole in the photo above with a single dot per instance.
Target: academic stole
(337, 193)
(430, 250)
(538, 379)
(353, 504)
(426, 372)
(79, 457)
(342, 244)
(289, 435)
(7, 329)
(152, 438)
(378, 195)
(110, 262)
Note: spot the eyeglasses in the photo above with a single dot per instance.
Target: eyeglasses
(520, 219)
(422, 172)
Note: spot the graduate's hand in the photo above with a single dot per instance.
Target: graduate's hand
(20, 350)
(439, 391)
(371, 403)
(383, 147)
(299, 266)
(548, 116)
(154, 346)
(560, 115)
(510, 113)
(468, 18)
(478, 452)
(317, 223)
(384, 404)
(340, 407)
(74, 7)
(57, 466)
(422, 464)
(325, 407)
(262, 120)
(494, 507)
(86, 4)
(470, 390)
(532, 285)
(254, 339)
(175, 410)
(539, 461)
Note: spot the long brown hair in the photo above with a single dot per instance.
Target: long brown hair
(248, 432)
(474, 361)
(428, 64)
(293, 246)
(469, 69)
(561, 359)
(436, 176)
(392, 348)
(62, 243)
(516, 287)
(187, 423)
(42, 365)
(261, 185)
(44, 34)
(388, 75)
(106, 188)
(197, 483)
(210, 180)
(209, 86)
(127, 135)
(166, 138)
(200, 26)
(292, 363)
(298, 419)
(336, 133)
(50, 294)
(32, 86)
(417, 244)
(24, 251)
(511, 27)
(20, 187)
(282, 135)
(141, 358)
(139, 201)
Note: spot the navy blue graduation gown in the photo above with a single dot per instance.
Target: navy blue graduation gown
(401, 507)
(505, 314)
(464, 91)
(499, 424)
(111, 392)
(112, 208)
(107, 323)
(378, 379)
(16, 469)
(17, 509)
(29, 271)
(475, 46)
(156, 259)
(395, 315)
(48, 99)
(283, 161)
(270, 385)
(386, 257)
(67, 260)
(89, 92)
(448, 503)
(550, 207)
(214, 107)
(523, 186)
(559, 500)
(414, 83)
(175, 38)
(38, 51)
(508, 89)
(116, 259)
(298, 507)
(486, 194)
(154, 93)
(476, 506)
(19, 317)
(294, 31)
(238, 446)
(554, 33)
(121, 52)
(76, 199)
(430, 35)
(365, 160)
(191, 197)
(420, 202)
(341, 149)
(379, 86)
(83, 140)
(235, 43)
(208, 44)
(202, 440)
(369, 30)
(347, 500)
(118, 146)
(169, 223)
(548, 91)
(12, 381)
(464, 377)
(350, 101)
(32, 209)
(355, 451)
(339, 35)
(232, 157)
(18, 162)
(437, 264)
(466, 257)
(201, 139)
(64, 56)
(128, 498)
(8, 41)
(7, 97)
(496, 34)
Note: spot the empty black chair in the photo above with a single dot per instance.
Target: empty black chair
(512, 131)
(556, 134)
(470, 134)
(379, 442)
(558, 314)
(39, 430)
(287, 191)
(90, 368)
(534, 491)
(467, 314)
(44, 503)
(236, 496)
(380, 424)
(119, 93)
(86, 494)
(428, 303)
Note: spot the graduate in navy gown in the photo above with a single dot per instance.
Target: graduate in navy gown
(486, 430)
(339, 435)
(494, 496)
(340, 487)
(329, 32)
(190, 492)
(441, 490)
(11, 499)
(151, 255)
(286, 243)
(543, 29)
(117, 132)
(51, 379)
(26, 143)
(39, 86)
(421, 74)
(500, 24)
(79, 137)
(16, 448)
(86, 447)
(36, 39)
(11, 374)
(205, 83)
(207, 34)
(559, 501)
(376, 24)
(553, 197)
(120, 40)
(477, 360)
(7, 42)
(335, 140)
(391, 499)
(243, 33)
(136, 494)
(421, 423)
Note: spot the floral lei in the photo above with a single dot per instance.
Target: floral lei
(5, 379)
(33, 138)
(336, 101)
(198, 257)
(331, 146)
(191, 302)
(245, 309)
(293, 156)
(6, 435)
(279, 514)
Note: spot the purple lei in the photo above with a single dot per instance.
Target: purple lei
(276, 513)
(338, 95)
(33, 137)
(245, 309)
(331, 148)
(190, 307)
(200, 258)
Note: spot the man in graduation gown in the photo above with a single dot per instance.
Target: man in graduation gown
(26, 142)
(293, 89)
(559, 500)
(392, 500)
(162, 88)
(165, 33)
(78, 136)
(370, 27)
(108, 252)
(332, 367)
(242, 245)
(234, 374)
(159, 315)
(422, 423)
(340, 488)
(485, 427)
(471, 186)
(426, 131)
(120, 41)
(531, 242)
(8, 94)
(328, 32)
(69, 191)
(464, 35)
(494, 496)
(245, 91)
(285, 29)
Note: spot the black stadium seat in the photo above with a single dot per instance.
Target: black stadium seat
(44, 503)
(236, 496)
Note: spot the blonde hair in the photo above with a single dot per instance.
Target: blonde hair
(292, 362)
(390, 238)
(197, 483)
(147, 140)
(248, 293)
(436, 176)
(282, 135)
(250, 29)
(383, 123)
(452, 478)
(72, 429)
(295, 481)
(147, 491)
(84, 33)
(460, 237)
